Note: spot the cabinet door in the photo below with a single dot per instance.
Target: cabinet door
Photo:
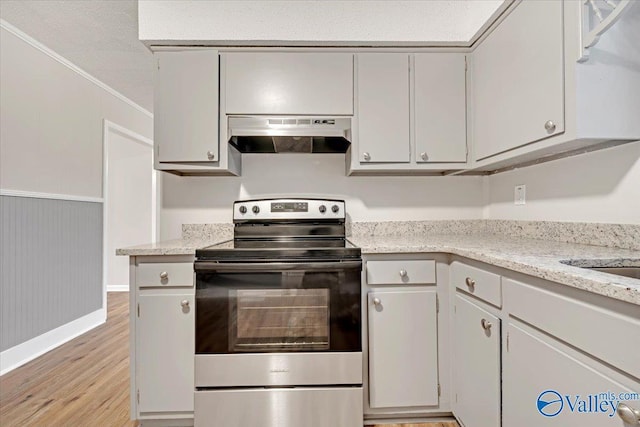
(289, 83)
(186, 106)
(403, 364)
(476, 366)
(545, 385)
(440, 102)
(517, 79)
(383, 107)
(165, 353)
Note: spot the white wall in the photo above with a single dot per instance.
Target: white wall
(130, 203)
(602, 186)
(383, 198)
(51, 133)
(313, 22)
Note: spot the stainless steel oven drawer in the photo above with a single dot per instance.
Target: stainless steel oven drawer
(278, 407)
(278, 369)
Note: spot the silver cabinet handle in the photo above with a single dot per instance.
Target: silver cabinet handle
(164, 275)
(628, 414)
(550, 126)
(486, 325)
(211, 155)
(184, 303)
(424, 156)
(366, 156)
(403, 273)
(377, 302)
(470, 283)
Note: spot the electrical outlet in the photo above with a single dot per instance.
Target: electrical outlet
(519, 194)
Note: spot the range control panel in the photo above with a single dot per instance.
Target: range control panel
(288, 209)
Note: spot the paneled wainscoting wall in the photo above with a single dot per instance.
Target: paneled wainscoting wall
(50, 273)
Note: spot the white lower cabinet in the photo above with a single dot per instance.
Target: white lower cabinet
(476, 365)
(165, 349)
(162, 340)
(546, 383)
(403, 351)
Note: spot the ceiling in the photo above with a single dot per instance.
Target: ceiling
(101, 37)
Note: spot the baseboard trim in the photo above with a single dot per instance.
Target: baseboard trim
(117, 288)
(20, 354)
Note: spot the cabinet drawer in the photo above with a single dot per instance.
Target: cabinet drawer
(164, 274)
(401, 272)
(477, 282)
(602, 333)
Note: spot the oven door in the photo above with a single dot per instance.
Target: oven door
(278, 324)
(278, 307)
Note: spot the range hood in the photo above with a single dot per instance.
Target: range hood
(262, 134)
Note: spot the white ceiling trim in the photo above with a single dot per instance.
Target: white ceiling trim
(44, 49)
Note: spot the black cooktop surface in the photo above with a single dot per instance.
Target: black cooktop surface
(278, 249)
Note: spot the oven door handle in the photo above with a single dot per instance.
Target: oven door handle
(204, 266)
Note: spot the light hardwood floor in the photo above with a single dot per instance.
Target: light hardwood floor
(84, 382)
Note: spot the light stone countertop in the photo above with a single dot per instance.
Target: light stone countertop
(171, 247)
(538, 258)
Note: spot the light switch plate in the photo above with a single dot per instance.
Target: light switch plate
(519, 194)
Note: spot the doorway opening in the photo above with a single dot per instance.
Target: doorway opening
(130, 200)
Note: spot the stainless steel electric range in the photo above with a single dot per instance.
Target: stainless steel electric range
(278, 319)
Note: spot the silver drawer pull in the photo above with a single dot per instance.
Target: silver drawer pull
(628, 414)
(550, 126)
(164, 275)
(470, 283)
(403, 273)
(366, 156)
(486, 325)
(184, 303)
(377, 302)
(211, 155)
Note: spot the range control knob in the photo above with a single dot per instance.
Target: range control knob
(322, 208)
(255, 209)
(243, 209)
(335, 208)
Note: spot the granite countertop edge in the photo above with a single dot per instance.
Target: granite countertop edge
(170, 247)
(538, 258)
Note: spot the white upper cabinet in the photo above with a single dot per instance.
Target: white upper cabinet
(382, 110)
(410, 113)
(186, 106)
(309, 83)
(440, 104)
(531, 98)
(517, 80)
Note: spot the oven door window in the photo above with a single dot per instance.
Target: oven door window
(288, 311)
(279, 319)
